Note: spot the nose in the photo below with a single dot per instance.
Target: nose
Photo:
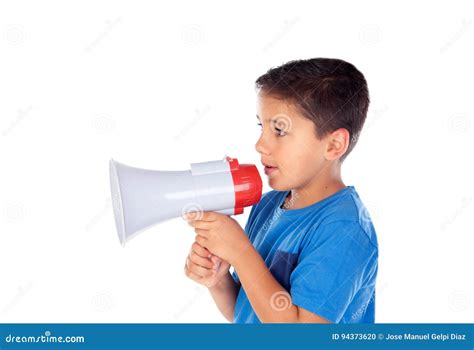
(261, 146)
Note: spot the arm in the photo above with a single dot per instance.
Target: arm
(266, 295)
(204, 268)
(224, 294)
(224, 237)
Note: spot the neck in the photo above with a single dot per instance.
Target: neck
(319, 188)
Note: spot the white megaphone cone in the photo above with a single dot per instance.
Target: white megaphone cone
(141, 198)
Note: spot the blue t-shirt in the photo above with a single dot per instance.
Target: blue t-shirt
(325, 255)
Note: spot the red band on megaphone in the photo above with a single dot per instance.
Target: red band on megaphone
(247, 184)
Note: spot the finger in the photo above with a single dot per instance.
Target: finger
(198, 260)
(215, 259)
(202, 241)
(193, 215)
(192, 276)
(208, 216)
(186, 264)
(202, 233)
(201, 224)
(186, 267)
(200, 271)
(224, 265)
(201, 251)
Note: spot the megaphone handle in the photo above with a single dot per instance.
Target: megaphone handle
(226, 211)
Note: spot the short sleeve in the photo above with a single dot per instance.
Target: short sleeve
(332, 267)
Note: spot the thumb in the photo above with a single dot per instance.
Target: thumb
(215, 259)
(223, 266)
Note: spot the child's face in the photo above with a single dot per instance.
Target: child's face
(288, 142)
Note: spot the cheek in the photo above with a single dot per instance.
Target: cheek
(298, 162)
(296, 172)
(290, 174)
(298, 168)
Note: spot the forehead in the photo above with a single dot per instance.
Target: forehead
(270, 108)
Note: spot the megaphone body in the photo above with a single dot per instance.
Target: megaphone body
(142, 198)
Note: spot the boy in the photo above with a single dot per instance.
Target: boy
(309, 250)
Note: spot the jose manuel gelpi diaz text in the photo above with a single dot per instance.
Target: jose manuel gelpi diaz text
(426, 336)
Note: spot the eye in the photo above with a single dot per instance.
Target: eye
(280, 132)
(282, 125)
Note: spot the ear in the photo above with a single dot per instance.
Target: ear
(337, 144)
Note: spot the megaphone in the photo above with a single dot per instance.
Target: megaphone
(142, 198)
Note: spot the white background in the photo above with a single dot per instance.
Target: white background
(160, 85)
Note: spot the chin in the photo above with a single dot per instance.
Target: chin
(278, 185)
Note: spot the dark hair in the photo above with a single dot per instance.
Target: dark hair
(330, 92)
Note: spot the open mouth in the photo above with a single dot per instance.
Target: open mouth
(269, 169)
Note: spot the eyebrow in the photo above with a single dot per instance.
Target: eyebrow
(267, 120)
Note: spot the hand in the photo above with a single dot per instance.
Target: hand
(220, 234)
(203, 267)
